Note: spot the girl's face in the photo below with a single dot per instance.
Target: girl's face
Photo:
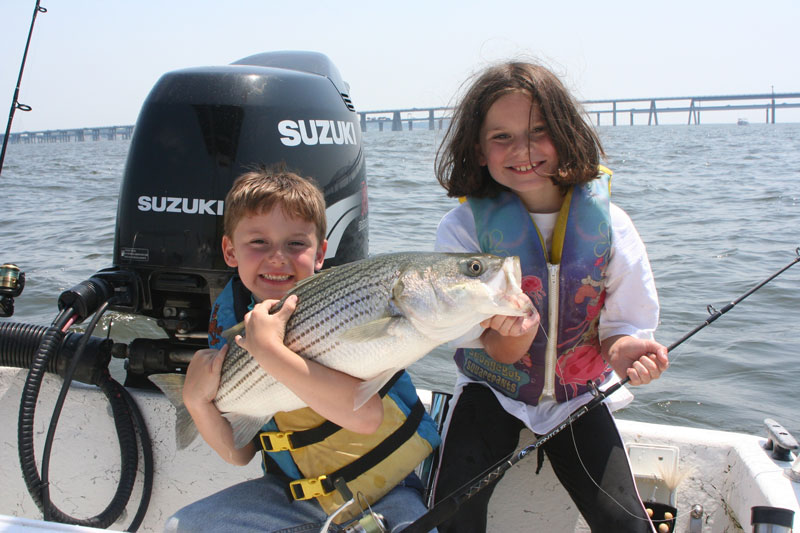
(515, 146)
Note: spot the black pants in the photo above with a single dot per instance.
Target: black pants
(481, 433)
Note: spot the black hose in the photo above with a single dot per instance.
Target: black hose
(129, 453)
(17, 343)
(147, 454)
(50, 342)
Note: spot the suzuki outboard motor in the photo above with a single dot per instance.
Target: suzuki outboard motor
(198, 130)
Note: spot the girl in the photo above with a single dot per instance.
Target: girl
(520, 151)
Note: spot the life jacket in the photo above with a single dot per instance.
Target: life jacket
(310, 453)
(567, 286)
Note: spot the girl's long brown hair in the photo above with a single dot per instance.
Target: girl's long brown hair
(578, 146)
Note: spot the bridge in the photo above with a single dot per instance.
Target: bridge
(110, 133)
(693, 106)
(434, 117)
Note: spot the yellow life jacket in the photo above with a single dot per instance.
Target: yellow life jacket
(370, 464)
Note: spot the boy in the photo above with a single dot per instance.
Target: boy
(274, 235)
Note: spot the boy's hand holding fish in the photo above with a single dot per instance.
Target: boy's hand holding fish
(202, 376)
(199, 390)
(265, 331)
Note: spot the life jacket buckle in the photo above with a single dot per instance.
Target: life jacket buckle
(276, 441)
(305, 489)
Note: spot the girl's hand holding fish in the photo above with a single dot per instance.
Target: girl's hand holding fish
(507, 338)
(514, 326)
(641, 360)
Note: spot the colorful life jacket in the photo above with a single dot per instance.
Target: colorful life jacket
(567, 286)
(311, 453)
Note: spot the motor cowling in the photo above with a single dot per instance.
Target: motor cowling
(197, 131)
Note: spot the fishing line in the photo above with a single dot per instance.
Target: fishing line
(449, 505)
(589, 475)
(714, 314)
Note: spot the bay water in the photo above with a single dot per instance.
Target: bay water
(718, 207)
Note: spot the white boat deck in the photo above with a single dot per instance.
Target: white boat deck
(725, 473)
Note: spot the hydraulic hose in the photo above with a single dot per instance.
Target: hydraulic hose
(19, 344)
(43, 349)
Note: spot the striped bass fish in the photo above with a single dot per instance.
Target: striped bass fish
(370, 319)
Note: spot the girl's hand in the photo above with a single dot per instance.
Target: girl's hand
(507, 338)
(265, 331)
(202, 376)
(514, 326)
(641, 360)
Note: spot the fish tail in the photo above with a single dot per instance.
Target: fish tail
(172, 387)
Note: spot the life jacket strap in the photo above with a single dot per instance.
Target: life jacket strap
(277, 441)
(323, 485)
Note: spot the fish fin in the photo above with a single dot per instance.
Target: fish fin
(230, 334)
(245, 427)
(375, 329)
(372, 386)
(172, 387)
(185, 430)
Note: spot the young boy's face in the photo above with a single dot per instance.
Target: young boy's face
(273, 252)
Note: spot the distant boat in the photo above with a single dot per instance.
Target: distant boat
(742, 122)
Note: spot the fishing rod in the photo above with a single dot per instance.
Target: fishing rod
(448, 506)
(15, 101)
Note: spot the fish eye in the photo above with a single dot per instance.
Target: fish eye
(474, 267)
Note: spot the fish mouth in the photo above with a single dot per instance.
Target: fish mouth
(513, 274)
(505, 287)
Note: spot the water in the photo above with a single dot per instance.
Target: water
(718, 207)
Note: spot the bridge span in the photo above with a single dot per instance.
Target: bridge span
(693, 106)
(110, 133)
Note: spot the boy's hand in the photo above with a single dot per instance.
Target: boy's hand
(514, 326)
(265, 331)
(641, 360)
(202, 376)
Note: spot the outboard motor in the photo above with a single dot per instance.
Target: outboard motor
(198, 130)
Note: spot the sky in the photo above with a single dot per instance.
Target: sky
(92, 62)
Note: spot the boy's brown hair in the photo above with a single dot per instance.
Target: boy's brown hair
(578, 146)
(261, 190)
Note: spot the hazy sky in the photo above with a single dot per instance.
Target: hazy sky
(92, 63)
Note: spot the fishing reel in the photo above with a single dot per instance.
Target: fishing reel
(370, 522)
(12, 281)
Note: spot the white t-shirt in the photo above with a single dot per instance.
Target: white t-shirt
(630, 307)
